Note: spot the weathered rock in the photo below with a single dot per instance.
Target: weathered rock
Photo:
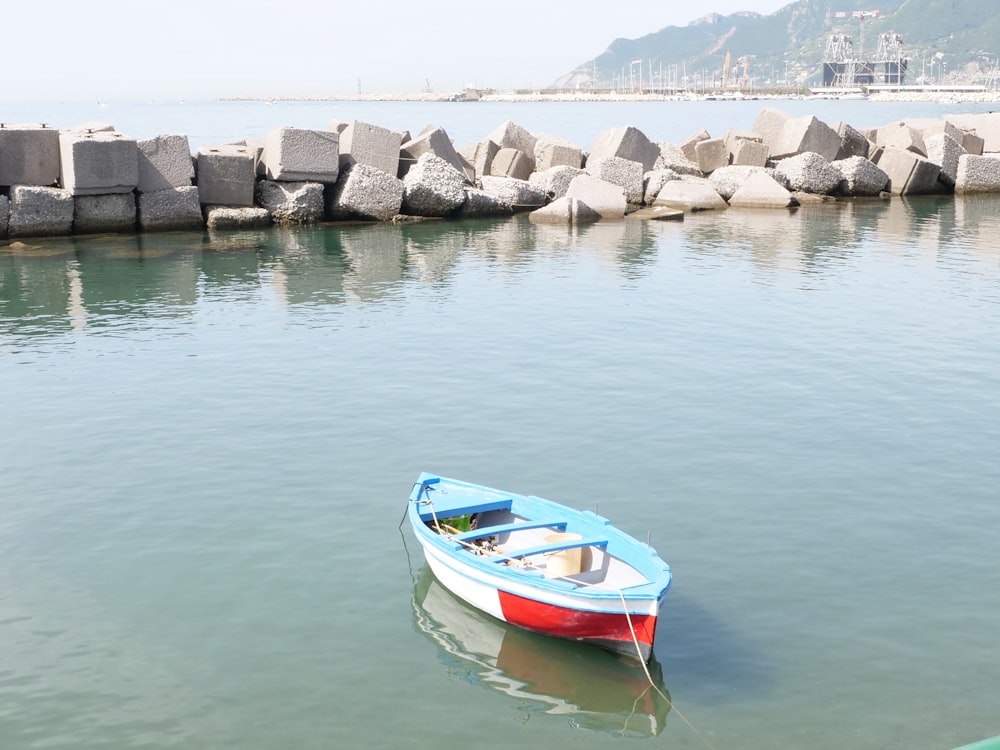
(164, 162)
(29, 155)
(432, 188)
(625, 143)
(618, 171)
(800, 135)
(480, 156)
(944, 151)
(169, 210)
(511, 135)
(653, 181)
(364, 143)
(226, 175)
(759, 190)
(728, 180)
(291, 202)
(555, 152)
(690, 195)
(711, 154)
(554, 181)
(519, 195)
(37, 211)
(366, 192)
(301, 155)
(565, 210)
(859, 177)
(512, 162)
(852, 142)
(673, 158)
(431, 140)
(810, 173)
(481, 204)
(689, 147)
(93, 214)
(606, 198)
(230, 217)
(750, 153)
(976, 174)
(909, 173)
(98, 163)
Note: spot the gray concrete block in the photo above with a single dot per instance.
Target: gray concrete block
(29, 155)
(749, 153)
(944, 150)
(366, 192)
(565, 210)
(802, 134)
(728, 180)
(232, 217)
(226, 175)
(37, 211)
(520, 195)
(770, 126)
(291, 202)
(909, 173)
(164, 162)
(432, 140)
(690, 195)
(4, 215)
(852, 142)
(653, 181)
(809, 173)
(622, 172)
(672, 157)
(761, 191)
(711, 154)
(169, 210)
(363, 143)
(733, 138)
(625, 143)
(480, 155)
(605, 198)
(512, 162)
(972, 143)
(511, 135)
(301, 155)
(689, 146)
(98, 163)
(551, 152)
(902, 136)
(860, 177)
(976, 174)
(656, 213)
(480, 204)
(554, 181)
(985, 125)
(432, 188)
(95, 214)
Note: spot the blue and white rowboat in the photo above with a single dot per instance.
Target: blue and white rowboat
(540, 565)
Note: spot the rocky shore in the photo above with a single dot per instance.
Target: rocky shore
(93, 179)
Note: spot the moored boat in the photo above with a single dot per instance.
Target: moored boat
(540, 565)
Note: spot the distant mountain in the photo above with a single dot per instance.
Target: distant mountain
(946, 41)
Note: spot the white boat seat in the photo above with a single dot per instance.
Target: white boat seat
(543, 549)
(503, 528)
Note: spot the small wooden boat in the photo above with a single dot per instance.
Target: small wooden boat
(540, 565)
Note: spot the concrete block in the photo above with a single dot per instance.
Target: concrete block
(625, 143)
(972, 143)
(802, 134)
(761, 191)
(554, 181)
(607, 199)
(511, 135)
(337, 126)
(656, 213)
(622, 172)
(689, 196)
(291, 202)
(366, 192)
(985, 125)
(301, 155)
(565, 210)
(909, 173)
(98, 163)
(551, 152)
(92, 126)
(164, 163)
(520, 195)
(432, 140)
(432, 188)
(672, 157)
(810, 173)
(733, 139)
(689, 147)
(95, 214)
(480, 204)
(653, 182)
(169, 210)
(37, 211)
(226, 175)
(29, 155)
(711, 154)
(4, 215)
(480, 155)
(728, 180)
(852, 142)
(902, 136)
(860, 177)
(363, 143)
(770, 126)
(749, 153)
(976, 174)
(232, 217)
(944, 150)
(512, 162)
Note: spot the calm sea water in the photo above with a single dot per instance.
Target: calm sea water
(206, 442)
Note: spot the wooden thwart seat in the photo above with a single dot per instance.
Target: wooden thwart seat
(503, 528)
(543, 549)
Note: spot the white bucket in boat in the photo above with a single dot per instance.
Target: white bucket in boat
(565, 562)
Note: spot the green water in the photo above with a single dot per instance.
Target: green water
(207, 441)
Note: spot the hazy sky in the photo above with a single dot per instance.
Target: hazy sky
(71, 50)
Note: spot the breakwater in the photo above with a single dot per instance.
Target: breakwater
(90, 179)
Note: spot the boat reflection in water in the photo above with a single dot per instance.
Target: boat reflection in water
(595, 689)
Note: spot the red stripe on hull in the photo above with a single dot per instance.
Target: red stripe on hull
(609, 629)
